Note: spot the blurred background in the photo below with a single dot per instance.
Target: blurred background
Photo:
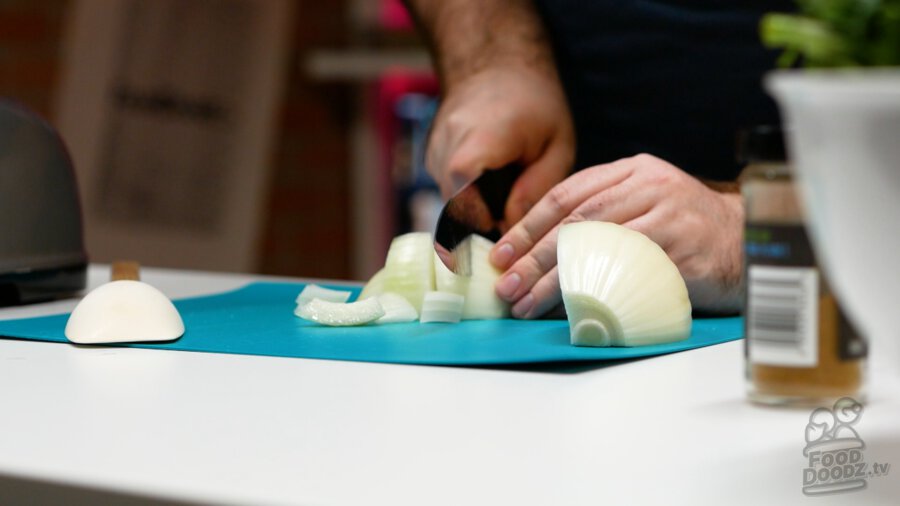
(269, 136)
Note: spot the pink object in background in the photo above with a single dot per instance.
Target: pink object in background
(393, 16)
(391, 86)
(386, 92)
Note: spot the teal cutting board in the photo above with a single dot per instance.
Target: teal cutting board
(258, 319)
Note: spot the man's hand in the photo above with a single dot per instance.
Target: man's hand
(499, 116)
(502, 99)
(700, 229)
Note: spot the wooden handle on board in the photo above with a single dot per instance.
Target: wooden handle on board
(126, 270)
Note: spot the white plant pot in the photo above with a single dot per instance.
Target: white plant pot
(844, 143)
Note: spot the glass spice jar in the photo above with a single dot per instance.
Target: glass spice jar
(800, 348)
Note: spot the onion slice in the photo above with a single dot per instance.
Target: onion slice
(446, 280)
(338, 314)
(482, 301)
(409, 267)
(442, 307)
(396, 309)
(313, 291)
(374, 287)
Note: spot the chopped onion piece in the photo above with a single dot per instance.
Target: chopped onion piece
(409, 267)
(482, 301)
(313, 291)
(339, 314)
(374, 287)
(442, 307)
(396, 309)
(446, 280)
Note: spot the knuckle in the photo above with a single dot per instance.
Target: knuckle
(645, 158)
(533, 269)
(545, 252)
(654, 167)
(574, 217)
(662, 178)
(537, 263)
(596, 206)
(558, 197)
(642, 228)
(660, 175)
(527, 236)
(694, 221)
(455, 121)
(546, 293)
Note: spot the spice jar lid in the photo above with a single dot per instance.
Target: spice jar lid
(762, 143)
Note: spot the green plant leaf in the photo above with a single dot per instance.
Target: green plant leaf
(809, 37)
(836, 33)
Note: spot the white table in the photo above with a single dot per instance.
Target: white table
(223, 428)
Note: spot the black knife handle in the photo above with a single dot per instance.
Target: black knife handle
(494, 186)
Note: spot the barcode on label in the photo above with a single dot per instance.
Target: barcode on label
(783, 315)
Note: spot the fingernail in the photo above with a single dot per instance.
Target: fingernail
(523, 306)
(508, 285)
(501, 256)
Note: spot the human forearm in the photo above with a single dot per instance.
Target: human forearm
(467, 36)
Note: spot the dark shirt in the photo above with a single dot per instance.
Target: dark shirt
(676, 79)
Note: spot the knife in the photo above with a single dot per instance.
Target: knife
(478, 208)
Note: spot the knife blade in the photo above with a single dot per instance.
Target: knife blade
(478, 208)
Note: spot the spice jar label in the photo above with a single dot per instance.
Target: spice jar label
(782, 315)
(782, 295)
(778, 244)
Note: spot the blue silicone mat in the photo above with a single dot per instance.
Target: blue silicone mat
(258, 319)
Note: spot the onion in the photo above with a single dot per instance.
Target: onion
(340, 314)
(409, 268)
(313, 291)
(619, 287)
(396, 309)
(482, 301)
(446, 280)
(442, 307)
(374, 287)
